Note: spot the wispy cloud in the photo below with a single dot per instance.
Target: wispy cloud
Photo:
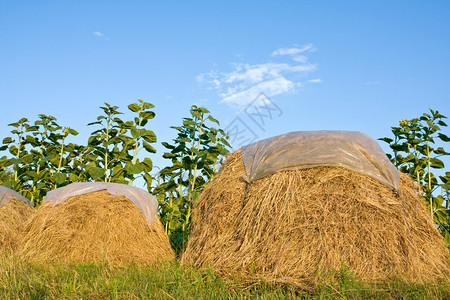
(246, 81)
(294, 50)
(371, 82)
(99, 34)
(318, 80)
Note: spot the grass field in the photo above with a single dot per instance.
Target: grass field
(20, 280)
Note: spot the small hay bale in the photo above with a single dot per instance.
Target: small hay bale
(295, 226)
(95, 227)
(13, 217)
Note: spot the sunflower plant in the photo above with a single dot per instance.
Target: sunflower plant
(418, 146)
(194, 155)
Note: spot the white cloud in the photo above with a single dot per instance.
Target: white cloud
(270, 88)
(300, 58)
(371, 82)
(98, 33)
(318, 80)
(260, 72)
(293, 51)
(245, 82)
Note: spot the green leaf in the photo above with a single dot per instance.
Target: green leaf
(148, 164)
(446, 186)
(173, 224)
(73, 131)
(134, 168)
(95, 123)
(443, 137)
(440, 151)
(440, 215)
(169, 155)
(127, 124)
(148, 105)
(195, 113)
(9, 184)
(203, 110)
(167, 186)
(436, 163)
(189, 123)
(147, 115)
(442, 123)
(40, 185)
(167, 145)
(194, 195)
(7, 140)
(134, 107)
(59, 178)
(31, 140)
(213, 120)
(32, 174)
(148, 147)
(137, 133)
(96, 172)
(73, 177)
(160, 197)
(399, 147)
(447, 238)
(149, 136)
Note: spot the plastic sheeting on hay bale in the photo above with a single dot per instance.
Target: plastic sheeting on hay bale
(294, 226)
(96, 227)
(297, 150)
(15, 210)
(146, 202)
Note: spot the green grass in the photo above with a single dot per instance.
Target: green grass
(19, 280)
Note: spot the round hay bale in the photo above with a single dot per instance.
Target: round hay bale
(295, 226)
(95, 227)
(13, 215)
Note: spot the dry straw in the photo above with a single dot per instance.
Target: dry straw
(294, 226)
(13, 216)
(95, 227)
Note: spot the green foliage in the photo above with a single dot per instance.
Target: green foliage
(5, 173)
(104, 145)
(41, 159)
(39, 155)
(113, 149)
(415, 152)
(195, 155)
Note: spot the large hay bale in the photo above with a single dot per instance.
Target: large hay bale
(292, 226)
(95, 227)
(13, 217)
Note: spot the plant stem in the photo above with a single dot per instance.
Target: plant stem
(106, 148)
(60, 158)
(181, 184)
(38, 168)
(136, 147)
(188, 216)
(198, 149)
(415, 159)
(215, 161)
(18, 152)
(429, 178)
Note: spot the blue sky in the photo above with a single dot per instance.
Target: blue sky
(337, 65)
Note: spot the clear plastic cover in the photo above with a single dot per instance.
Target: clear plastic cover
(146, 202)
(7, 194)
(353, 150)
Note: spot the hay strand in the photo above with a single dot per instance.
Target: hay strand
(95, 227)
(13, 217)
(293, 226)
